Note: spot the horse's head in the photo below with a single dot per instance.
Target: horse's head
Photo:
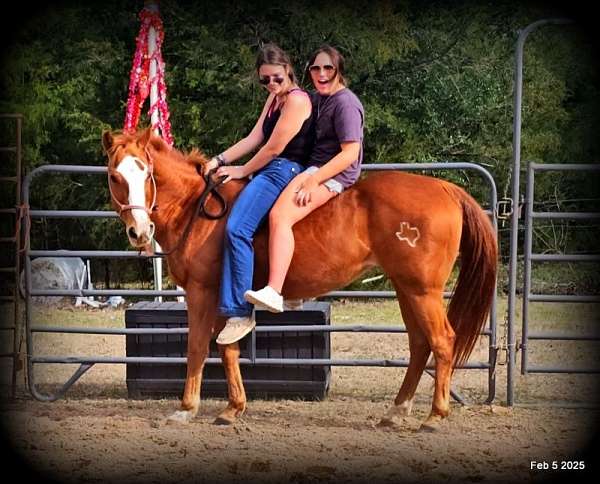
(131, 183)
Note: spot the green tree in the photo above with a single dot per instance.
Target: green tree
(435, 78)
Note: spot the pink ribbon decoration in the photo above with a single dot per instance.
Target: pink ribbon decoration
(140, 82)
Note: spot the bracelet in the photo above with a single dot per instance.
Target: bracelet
(221, 159)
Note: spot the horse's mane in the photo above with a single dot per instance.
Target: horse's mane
(194, 158)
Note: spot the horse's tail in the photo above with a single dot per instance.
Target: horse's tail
(475, 287)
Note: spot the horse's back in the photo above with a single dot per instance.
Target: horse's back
(378, 205)
(408, 190)
(389, 219)
(393, 198)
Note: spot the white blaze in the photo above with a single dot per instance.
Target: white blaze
(135, 172)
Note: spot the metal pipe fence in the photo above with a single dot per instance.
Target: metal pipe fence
(530, 256)
(515, 196)
(13, 241)
(86, 362)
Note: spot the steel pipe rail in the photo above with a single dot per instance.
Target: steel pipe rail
(86, 362)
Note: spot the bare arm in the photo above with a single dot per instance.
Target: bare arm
(252, 141)
(293, 114)
(337, 164)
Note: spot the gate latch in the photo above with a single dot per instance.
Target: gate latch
(504, 208)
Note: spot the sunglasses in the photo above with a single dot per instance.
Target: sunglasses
(317, 69)
(266, 80)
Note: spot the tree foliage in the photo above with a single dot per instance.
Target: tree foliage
(436, 80)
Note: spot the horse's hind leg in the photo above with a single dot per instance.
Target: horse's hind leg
(430, 316)
(427, 312)
(419, 353)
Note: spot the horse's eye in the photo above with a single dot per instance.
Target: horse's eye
(114, 178)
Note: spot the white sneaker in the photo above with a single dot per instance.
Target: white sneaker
(267, 298)
(235, 329)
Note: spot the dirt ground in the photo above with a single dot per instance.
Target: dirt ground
(97, 434)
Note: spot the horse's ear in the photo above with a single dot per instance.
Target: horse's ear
(158, 144)
(107, 141)
(145, 137)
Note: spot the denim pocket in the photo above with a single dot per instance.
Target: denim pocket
(282, 170)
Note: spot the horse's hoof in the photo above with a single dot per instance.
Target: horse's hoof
(429, 428)
(222, 420)
(228, 416)
(387, 422)
(396, 416)
(180, 417)
(431, 425)
(397, 422)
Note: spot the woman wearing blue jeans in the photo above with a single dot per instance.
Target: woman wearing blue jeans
(284, 129)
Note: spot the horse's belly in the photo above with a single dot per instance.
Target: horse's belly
(320, 268)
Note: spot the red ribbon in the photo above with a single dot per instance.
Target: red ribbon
(140, 82)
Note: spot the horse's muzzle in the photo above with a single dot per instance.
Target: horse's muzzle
(140, 238)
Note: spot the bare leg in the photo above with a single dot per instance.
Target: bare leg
(281, 251)
(284, 214)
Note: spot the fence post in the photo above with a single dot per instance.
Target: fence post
(515, 193)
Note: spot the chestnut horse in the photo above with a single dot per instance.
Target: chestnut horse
(411, 226)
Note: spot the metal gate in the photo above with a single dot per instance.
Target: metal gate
(10, 243)
(87, 362)
(514, 201)
(530, 257)
(511, 345)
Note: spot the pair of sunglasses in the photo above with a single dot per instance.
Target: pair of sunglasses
(266, 80)
(328, 68)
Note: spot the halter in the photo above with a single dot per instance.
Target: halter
(209, 189)
(123, 208)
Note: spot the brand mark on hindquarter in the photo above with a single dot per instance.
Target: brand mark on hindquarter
(408, 234)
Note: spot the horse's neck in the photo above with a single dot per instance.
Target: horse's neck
(175, 196)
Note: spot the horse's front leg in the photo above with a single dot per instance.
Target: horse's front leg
(201, 312)
(230, 354)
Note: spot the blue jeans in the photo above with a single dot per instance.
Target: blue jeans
(247, 214)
